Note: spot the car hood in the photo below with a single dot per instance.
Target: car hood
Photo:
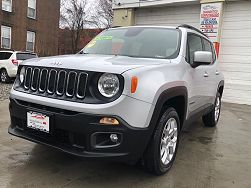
(97, 63)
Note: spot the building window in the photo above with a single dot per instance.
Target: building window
(31, 13)
(30, 43)
(5, 37)
(7, 5)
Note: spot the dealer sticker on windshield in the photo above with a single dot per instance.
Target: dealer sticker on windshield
(38, 121)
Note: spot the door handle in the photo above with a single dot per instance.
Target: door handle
(217, 72)
(206, 74)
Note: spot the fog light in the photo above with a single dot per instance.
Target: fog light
(114, 137)
(109, 121)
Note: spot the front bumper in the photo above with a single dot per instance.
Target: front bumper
(79, 133)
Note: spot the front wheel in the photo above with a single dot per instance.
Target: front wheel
(4, 77)
(162, 149)
(211, 119)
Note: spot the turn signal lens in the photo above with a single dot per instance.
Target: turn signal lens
(109, 121)
(134, 84)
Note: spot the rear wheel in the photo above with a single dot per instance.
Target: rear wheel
(211, 119)
(4, 77)
(162, 149)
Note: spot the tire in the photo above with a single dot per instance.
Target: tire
(4, 77)
(211, 119)
(154, 157)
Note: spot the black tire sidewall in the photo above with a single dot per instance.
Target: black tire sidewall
(217, 96)
(209, 119)
(169, 113)
(7, 76)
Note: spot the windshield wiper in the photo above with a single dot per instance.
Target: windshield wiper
(82, 52)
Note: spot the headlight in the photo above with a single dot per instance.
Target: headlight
(21, 75)
(108, 85)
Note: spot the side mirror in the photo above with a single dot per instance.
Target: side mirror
(202, 58)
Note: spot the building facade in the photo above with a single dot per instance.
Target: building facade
(226, 22)
(30, 25)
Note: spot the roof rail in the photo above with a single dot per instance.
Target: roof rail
(192, 28)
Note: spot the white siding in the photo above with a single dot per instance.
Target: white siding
(172, 16)
(235, 52)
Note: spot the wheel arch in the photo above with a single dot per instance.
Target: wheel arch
(175, 97)
(3, 68)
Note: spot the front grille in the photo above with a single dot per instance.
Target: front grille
(55, 82)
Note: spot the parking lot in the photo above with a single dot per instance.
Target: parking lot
(207, 157)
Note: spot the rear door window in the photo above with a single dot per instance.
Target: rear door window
(8, 55)
(5, 55)
(2, 55)
(25, 56)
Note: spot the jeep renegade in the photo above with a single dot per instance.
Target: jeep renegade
(124, 97)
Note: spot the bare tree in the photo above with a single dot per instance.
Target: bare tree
(103, 15)
(74, 16)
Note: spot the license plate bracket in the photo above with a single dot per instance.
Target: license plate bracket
(38, 121)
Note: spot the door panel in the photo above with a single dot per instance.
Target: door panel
(199, 80)
(212, 73)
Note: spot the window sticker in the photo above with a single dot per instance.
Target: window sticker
(103, 38)
(98, 38)
(91, 44)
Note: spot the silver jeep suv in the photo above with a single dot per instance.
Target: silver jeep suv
(125, 96)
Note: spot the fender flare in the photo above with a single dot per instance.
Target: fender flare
(163, 98)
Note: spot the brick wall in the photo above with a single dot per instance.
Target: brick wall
(65, 40)
(45, 25)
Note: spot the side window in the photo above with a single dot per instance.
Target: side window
(194, 44)
(2, 55)
(213, 51)
(208, 46)
(7, 55)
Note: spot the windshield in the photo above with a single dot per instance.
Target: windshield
(25, 56)
(136, 42)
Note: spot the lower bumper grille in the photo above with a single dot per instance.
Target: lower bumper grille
(58, 135)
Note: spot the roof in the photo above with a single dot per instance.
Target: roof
(145, 26)
(185, 26)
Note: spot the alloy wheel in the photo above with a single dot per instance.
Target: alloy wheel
(217, 109)
(3, 76)
(169, 140)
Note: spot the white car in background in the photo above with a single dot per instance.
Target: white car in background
(9, 61)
